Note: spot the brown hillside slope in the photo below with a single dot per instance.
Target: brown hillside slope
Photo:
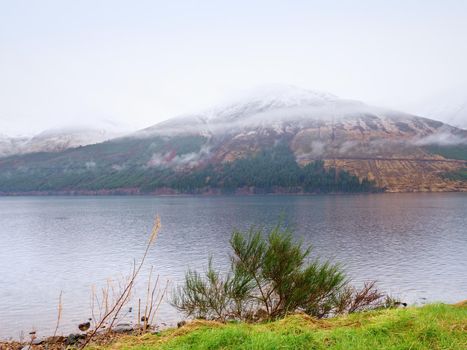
(404, 175)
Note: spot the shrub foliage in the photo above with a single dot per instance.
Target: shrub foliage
(271, 276)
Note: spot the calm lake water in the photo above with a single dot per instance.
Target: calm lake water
(415, 245)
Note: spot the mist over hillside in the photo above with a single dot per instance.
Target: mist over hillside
(394, 151)
(449, 106)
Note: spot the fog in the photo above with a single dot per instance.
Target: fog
(123, 66)
(172, 160)
(442, 139)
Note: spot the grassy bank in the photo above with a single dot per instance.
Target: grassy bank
(436, 326)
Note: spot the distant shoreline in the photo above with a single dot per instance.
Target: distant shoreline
(123, 193)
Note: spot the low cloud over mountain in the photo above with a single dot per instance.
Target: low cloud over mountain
(396, 150)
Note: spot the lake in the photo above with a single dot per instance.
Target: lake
(414, 245)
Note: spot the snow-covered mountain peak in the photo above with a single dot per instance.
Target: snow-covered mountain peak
(285, 109)
(265, 98)
(283, 95)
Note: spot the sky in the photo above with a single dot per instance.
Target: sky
(130, 64)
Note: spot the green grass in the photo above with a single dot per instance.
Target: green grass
(435, 326)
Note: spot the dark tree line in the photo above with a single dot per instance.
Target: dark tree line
(268, 171)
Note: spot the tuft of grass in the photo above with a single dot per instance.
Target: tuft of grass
(436, 326)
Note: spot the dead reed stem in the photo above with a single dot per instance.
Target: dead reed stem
(59, 313)
(116, 307)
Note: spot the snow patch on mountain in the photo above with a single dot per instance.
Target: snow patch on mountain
(267, 98)
(54, 140)
(266, 107)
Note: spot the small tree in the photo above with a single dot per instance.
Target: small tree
(270, 276)
(282, 278)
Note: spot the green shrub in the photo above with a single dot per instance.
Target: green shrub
(271, 276)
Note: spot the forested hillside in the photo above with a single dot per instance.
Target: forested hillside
(268, 171)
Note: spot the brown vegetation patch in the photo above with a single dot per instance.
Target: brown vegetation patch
(404, 175)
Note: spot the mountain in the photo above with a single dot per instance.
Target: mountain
(53, 140)
(455, 114)
(10, 145)
(277, 139)
(449, 105)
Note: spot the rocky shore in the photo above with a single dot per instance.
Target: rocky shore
(75, 340)
(430, 326)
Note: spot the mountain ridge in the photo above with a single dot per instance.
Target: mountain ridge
(53, 140)
(396, 151)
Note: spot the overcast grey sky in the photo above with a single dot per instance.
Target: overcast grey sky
(134, 63)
